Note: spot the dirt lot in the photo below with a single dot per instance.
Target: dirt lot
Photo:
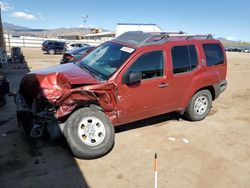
(217, 153)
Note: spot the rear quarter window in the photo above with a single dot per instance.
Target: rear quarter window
(184, 58)
(214, 54)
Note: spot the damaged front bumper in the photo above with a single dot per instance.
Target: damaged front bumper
(36, 124)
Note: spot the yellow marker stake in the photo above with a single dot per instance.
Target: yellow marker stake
(155, 169)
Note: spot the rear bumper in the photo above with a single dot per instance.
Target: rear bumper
(219, 88)
(44, 49)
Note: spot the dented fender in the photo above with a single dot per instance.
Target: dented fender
(102, 94)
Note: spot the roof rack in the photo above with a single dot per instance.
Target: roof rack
(190, 36)
(139, 38)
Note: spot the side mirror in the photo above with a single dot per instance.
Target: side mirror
(133, 77)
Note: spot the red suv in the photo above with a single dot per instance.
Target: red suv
(135, 76)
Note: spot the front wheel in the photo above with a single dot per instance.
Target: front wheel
(199, 106)
(89, 133)
(51, 51)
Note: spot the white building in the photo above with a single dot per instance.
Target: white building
(124, 27)
(103, 36)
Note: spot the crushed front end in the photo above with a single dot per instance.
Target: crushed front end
(35, 103)
(44, 102)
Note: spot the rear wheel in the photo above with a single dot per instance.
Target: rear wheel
(89, 133)
(199, 106)
(51, 51)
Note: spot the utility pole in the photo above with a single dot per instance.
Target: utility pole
(84, 19)
(2, 43)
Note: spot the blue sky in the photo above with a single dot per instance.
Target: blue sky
(229, 19)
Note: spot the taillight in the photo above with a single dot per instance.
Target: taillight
(69, 57)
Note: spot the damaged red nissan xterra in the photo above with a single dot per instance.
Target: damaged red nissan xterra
(135, 76)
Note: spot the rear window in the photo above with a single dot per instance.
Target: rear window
(82, 51)
(184, 58)
(214, 54)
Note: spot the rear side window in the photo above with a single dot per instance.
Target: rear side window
(214, 54)
(184, 58)
(56, 43)
(149, 64)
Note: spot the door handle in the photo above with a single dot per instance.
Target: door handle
(163, 85)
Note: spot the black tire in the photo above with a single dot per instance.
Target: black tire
(24, 123)
(192, 112)
(2, 101)
(51, 51)
(78, 146)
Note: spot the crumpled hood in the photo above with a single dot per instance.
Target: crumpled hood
(53, 82)
(73, 73)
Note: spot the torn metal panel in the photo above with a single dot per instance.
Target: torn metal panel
(102, 94)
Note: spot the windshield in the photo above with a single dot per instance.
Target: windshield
(106, 59)
(81, 51)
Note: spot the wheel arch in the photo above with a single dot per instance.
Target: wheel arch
(211, 89)
(193, 91)
(92, 104)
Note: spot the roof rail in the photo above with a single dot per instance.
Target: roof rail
(139, 38)
(158, 36)
(190, 36)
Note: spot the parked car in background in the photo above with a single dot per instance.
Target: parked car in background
(76, 55)
(246, 50)
(233, 49)
(53, 47)
(74, 45)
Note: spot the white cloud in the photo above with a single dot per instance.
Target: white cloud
(23, 15)
(5, 6)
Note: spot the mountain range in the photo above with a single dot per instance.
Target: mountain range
(26, 31)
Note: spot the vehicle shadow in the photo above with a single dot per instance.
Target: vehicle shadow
(32, 163)
(147, 122)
